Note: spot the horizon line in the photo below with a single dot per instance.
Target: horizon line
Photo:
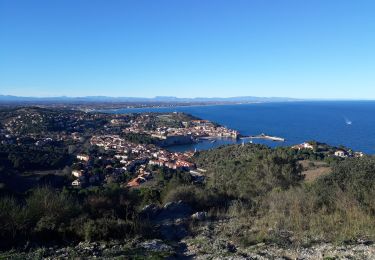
(196, 97)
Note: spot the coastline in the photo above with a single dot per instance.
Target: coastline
(296, 122)
(110, 110)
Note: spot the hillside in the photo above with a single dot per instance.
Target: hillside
(254, 200)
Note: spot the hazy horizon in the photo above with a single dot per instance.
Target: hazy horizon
(185, 98)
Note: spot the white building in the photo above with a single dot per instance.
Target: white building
(77, 173)
(76, 183)
(303, 146)
(341, 153)
(83, 157)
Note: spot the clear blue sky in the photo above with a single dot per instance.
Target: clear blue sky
(188, 48)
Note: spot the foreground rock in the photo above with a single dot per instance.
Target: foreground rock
(170, 221)
(199, 216)
(131, 249)
(226, 250)
(170, 211)
(200, 247)
(183, 235)
(208, 243)
(156, 246)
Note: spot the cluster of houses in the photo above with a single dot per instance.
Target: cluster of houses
(82, 174)
(345, 154)
(173, 160)
(142, 177)
(85, 174)
(303, 146)
(342, 153)
(137, 125)
(133, 157)
(195, 129)
(39, 127)
(10, 139)
(26, 121)
(189, 130)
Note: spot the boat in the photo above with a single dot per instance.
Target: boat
(348, 122)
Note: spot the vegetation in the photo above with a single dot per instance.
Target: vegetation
(139, 138)
(338, 207)
(249, 172)
(25, 157)
(45, 216)
(48, 216)
(36, 120)
(260, 192)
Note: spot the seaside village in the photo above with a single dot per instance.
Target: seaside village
(190, 131)
(129, 157)
(134, 146)
(131, 162)
(141, 160)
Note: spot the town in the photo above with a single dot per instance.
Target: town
(128, 149)
(101, 148)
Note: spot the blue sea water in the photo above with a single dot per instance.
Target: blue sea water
(351, 124)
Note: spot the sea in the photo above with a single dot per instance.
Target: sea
(347, 123)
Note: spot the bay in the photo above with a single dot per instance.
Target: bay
(348, 123)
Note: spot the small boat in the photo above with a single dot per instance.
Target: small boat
(213, 141)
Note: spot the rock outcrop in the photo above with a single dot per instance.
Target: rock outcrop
(170, 221)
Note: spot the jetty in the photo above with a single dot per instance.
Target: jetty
(266, 137)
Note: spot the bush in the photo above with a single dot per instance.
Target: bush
(251, 171)
(197, 197)
(13, 221)
(105, 229)
(268, 202)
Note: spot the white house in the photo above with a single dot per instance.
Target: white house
(76, 183)
(341, 153)
(303, 146)
(83, 157)
(307, 146)
(77, 173)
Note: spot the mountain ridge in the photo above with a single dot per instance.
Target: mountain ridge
(12, 98)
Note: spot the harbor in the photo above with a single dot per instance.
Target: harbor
(279, 120)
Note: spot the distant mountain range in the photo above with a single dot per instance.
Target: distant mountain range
(164, 99)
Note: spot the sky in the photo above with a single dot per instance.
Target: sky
(188, 48)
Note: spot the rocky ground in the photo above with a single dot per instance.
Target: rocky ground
(193, 248)
(220, 249)
(174, 222)
(208, 244)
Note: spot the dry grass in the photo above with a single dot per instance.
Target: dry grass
(313, 174)
(314, 169)
(296, 211)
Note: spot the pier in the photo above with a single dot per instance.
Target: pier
(266, 137)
